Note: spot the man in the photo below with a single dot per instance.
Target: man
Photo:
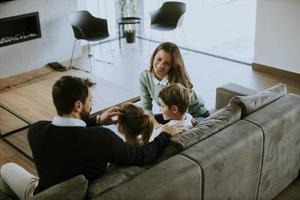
(73, 143)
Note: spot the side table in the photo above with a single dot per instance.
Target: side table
(127, 21)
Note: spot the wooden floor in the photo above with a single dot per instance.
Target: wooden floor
(206, 73)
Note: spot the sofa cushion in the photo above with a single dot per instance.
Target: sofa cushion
(115, 176)
(225, 92)
(250, 104)
(214, 123)
(217, 121)
(176, 178)
(74, 188)
(279, 122)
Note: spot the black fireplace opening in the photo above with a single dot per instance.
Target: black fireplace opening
(19, 28)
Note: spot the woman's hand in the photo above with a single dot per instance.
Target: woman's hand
(106, 117)
(172, 130)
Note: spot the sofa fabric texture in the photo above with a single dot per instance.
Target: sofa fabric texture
(214, 123)
(279, 122)
(175, 178)
(252, 103)
(72, 189)
(115, 176)
(225, 92)
(230, 161)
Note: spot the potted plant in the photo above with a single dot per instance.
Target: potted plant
(128, 9)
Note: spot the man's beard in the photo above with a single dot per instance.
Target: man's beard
(85, 116)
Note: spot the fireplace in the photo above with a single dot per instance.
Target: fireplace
(19, 28)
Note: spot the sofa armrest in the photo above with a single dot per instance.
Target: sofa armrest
(225, 92)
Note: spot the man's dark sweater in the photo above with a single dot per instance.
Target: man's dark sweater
(61, 153)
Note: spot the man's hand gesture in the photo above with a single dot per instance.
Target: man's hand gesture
(106, 117)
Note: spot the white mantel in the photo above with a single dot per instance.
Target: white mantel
(54, 45)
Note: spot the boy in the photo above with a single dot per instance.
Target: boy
(174, 103)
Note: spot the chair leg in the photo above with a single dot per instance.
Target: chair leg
(74, 45)
(101, 60)
(70, 65)
(90, 55)
(112, 54)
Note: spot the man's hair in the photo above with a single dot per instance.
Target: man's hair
(176, 94)
(67, 90)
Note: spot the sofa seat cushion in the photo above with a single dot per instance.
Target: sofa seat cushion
(115, 176)
(72, 189)
(252, 103)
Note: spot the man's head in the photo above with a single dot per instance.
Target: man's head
(72, 95)
(174, 101)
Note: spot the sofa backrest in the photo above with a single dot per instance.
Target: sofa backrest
(211, 169)
(252, 103)
(230, 161)
(175, 178)
(280, 123)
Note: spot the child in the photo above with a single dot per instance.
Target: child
(174, 102)
(135, 125)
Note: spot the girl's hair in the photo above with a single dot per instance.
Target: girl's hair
(134, 124)
(177, 73)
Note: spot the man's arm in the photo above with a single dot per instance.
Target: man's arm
(122, 153)
(106, 118)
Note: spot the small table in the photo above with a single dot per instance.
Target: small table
(124, 21)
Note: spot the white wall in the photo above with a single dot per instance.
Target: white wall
(54, 45)
(277, 38)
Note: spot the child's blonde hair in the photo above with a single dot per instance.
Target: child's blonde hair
(176, 94)
(134, 124)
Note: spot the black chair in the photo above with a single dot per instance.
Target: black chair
(89, 28)
(168, 17)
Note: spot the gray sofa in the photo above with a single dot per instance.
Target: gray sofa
(248, 149)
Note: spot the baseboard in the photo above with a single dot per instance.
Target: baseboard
(276, 72)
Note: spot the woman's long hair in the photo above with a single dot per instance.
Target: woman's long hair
(134, 124)
(177, 73)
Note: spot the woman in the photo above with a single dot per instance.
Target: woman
(167, 67)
